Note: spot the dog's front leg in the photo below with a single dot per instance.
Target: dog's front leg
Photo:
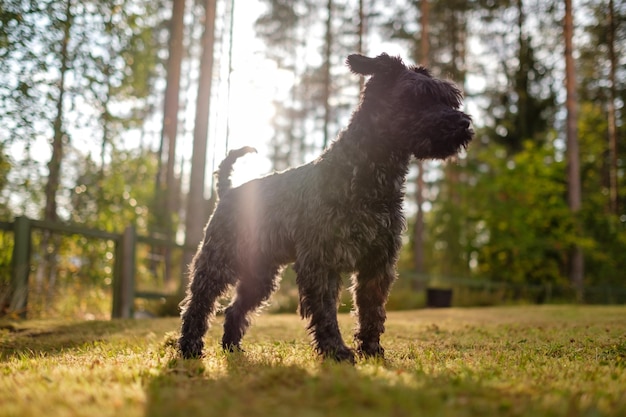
(370, 290)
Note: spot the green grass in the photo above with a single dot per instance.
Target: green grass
(511, 361)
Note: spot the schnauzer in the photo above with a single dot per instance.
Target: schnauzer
(341, 213)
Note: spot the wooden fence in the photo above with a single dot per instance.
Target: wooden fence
(124, 291)
(466, 291)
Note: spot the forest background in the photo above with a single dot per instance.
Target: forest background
(115, 112)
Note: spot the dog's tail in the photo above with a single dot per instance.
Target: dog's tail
(226, 168)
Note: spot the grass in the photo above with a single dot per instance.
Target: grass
(507, 361)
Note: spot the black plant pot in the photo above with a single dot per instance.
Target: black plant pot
(438, 297)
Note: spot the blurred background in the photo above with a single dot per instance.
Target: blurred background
(115, 113)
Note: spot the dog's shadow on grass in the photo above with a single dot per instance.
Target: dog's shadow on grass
(255, 385)
(240, 386)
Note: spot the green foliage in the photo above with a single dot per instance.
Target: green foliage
(500, 213)
(5, 168)
(78, 281)
(6, 254)
(508, 219)
(112, 61)
(140, 53)
(117, 197)
(524, 226)
(604, 255)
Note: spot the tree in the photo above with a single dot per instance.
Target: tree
(612, 118)
(167, 191)
(418, 231)
(282, 28)
(438, 42)
(59, 142)
(522, 225)
(59, 135)
(600, 81)
(169, 194)
(362, 31)
(521, 98)
(196, 203)
(573, 164)
(328, 44)
(307, 38)
(71, 66)
(5, 168)
(605, 234)
(25, 111)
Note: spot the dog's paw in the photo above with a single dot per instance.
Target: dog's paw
(232, 348)
(371, 350)
(342, 354)
(190, 350)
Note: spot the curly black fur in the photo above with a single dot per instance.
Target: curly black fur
(226, 168)
(340, 213)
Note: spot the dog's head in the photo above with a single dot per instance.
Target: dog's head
(414, 108)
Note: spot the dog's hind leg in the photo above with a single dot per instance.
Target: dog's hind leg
(319, 292)
(208, 283)
(253, 290)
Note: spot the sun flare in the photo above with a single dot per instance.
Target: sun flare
(250, 114)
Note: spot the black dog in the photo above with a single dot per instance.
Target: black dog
(340, 213)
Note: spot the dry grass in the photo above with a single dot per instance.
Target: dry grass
(513, 361)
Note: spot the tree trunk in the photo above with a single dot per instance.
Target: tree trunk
(172, 94)
(231, 26)
(361, 42)
(170, 113)
(327, 66)
(612, 120)
(46, 271)
(167, 196)
(54, 166)
(195, 217)
(573, 163)
(106, 123)
(419, 228)
(521, 78)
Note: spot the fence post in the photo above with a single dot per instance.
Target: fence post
(21, 265)
(124, 279)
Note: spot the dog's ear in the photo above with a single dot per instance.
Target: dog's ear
(382, 64)
(422, 70)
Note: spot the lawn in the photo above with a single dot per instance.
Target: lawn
(506, 361)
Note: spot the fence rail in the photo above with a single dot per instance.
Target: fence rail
(124, 291)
